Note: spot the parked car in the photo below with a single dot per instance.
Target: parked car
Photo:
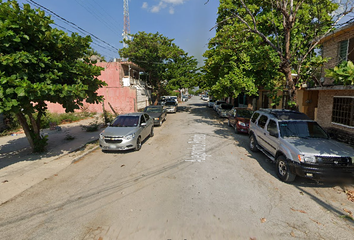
(185, 98)
(127, 131)
(205, 97)
(224, 109)
(217, 104)
(171, 106)
(158, 113)
(299, 146)
(211, 103)
(174, 98)
(239, 118)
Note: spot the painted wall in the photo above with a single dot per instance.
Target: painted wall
(121, 99)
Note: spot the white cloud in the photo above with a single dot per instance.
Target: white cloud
(164, 4)
(145, 5)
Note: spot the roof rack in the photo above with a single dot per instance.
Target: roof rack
(286, 114)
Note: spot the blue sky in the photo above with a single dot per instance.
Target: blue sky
(187, 21)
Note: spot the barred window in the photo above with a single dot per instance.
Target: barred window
(343, 110)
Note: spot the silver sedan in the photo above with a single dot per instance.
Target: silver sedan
(127, 131)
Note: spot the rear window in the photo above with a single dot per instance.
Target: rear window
(244, 113)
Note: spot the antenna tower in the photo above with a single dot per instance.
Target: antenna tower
(126, 30)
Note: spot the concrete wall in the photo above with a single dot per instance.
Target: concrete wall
(121, 99)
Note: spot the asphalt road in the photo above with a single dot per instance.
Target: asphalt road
(195, 179)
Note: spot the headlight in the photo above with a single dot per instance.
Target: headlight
(242, 124)
(352, 160)
(156, 118)
(307, 159)
(129, 137)
(101, 135)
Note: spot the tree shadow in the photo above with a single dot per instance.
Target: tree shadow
(18, 150)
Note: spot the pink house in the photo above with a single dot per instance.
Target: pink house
(124, 93)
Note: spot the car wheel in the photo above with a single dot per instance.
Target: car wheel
(152, 131)
(283, 171)
(253, 143)
(160, 123)
(236, 130)
(138, 144)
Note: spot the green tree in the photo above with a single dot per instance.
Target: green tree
(233, 65)
(40, 64)
(291, 29)
(164, 62)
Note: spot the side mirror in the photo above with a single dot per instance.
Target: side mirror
(143, 124)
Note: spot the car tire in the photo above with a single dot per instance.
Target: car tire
(138, 144)
(236, 131)
(253, 143)
(160, 123)
(152, 131)
(283, 170)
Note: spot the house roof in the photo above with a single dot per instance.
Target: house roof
(347, 28)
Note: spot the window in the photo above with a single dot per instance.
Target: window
(262, 121)
(343, 110)
(254, 117)
(272, 127)
(346, 50)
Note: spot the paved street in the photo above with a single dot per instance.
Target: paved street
(195, 179)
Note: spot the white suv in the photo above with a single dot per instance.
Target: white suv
(299, 146)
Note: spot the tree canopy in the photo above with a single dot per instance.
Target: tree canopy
(276, 35)
(40, 64)
(167, 65)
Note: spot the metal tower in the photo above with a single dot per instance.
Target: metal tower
(126, 30)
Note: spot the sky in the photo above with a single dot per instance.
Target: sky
(188, 22)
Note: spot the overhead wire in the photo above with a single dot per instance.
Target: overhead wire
(96, 15)
(95, 39)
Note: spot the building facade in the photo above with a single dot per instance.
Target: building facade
(125, 91)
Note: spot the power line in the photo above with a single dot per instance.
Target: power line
(72, 24)
(96, 15)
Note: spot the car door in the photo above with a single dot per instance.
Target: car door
(272, 137)
(149, 124)
(260, 130)
(143, 128)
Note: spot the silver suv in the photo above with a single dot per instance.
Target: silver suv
(299, 146)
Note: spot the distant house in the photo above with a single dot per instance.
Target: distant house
(125, 91)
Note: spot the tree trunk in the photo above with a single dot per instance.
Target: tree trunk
(33, 135)
(21, 118)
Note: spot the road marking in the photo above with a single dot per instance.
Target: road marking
(198, 153)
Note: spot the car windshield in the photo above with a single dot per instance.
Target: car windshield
(226, 106)
(301, 129)
(126, 121)
(219, 102)
(170, 104)
(244, 113)
(153, 109)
